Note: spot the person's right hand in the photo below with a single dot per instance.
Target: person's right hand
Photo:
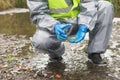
(59, 30)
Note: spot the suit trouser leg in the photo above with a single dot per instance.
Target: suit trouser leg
(100, 35)
(46, 41)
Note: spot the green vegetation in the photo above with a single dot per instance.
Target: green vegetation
(20, 3)
(116, 4)
(6, 4)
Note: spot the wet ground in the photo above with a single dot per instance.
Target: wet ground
(19, 61)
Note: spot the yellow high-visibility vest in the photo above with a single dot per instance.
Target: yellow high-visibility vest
(59, 9)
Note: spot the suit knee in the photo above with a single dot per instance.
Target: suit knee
(53, 44)
(44, 40)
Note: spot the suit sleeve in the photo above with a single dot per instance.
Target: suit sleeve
(39, 14)
(88, 13)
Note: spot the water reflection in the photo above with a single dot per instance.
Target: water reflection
(17, 24)
(56, 67)
(15, 31)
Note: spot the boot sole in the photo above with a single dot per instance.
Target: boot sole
(97, 64)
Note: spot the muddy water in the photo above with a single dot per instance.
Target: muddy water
(19, 61)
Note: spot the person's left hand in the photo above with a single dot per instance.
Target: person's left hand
(80, 35)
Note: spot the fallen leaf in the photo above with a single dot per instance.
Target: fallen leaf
(58, 76)
(26, 68)
(18, 65)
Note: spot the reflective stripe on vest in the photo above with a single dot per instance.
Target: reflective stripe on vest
(60, 9)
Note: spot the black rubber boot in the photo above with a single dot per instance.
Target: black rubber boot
(56, 59)
(96, 58)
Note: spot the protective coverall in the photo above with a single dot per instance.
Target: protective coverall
(96, 14)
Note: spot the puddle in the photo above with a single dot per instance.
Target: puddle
(19, 61)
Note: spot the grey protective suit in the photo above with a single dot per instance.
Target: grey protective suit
(96, 14)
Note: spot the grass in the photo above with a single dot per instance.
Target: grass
(20, 3)
(6, 4)
(116, 4)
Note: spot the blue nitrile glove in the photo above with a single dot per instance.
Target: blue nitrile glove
(80, 35)
(60, 32)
